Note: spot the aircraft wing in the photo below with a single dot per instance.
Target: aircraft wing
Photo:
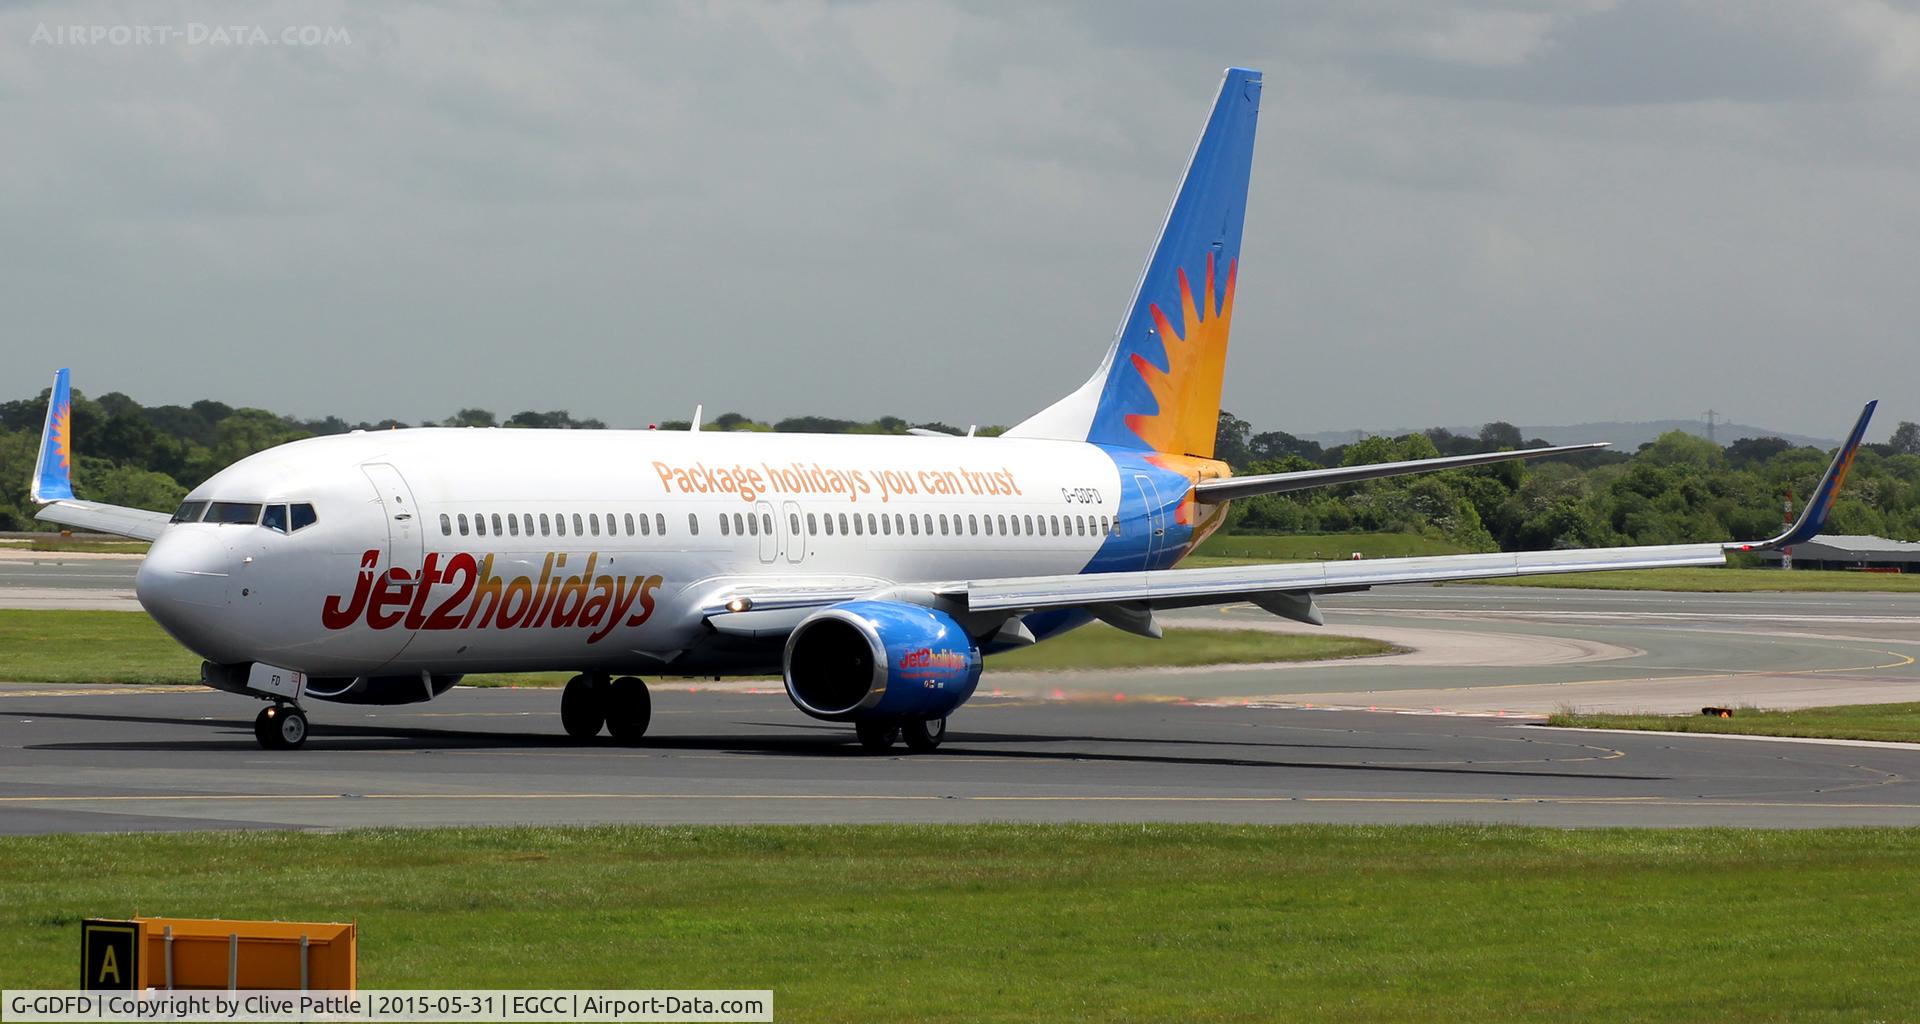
(1307, 479)
(1128, 599)
(52, 485)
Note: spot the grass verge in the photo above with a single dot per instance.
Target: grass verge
(1248, 549)
(1895, 722)
(55, 542)
(1069, 922)
(1720, 581)
(58, 646)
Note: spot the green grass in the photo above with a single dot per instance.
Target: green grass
(1102, 646)
(55, 542)
(1896, 722)
(58, 646)
(1021, 923)
(1246, 549)
(90, 647)
(1714, 580)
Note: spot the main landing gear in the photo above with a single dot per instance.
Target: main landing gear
(281, 727)
(622, 706)
(923, 735)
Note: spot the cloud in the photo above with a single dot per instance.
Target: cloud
(1460, 211)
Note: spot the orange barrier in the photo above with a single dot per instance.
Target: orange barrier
(188, 953)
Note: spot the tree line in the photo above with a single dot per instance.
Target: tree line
(1676, 489)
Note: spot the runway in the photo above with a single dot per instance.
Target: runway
(1237, 744)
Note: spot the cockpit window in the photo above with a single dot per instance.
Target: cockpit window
(304, 516)
(234, 513)
(189, 511)
(275, 518)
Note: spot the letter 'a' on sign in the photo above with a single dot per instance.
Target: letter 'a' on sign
(109, 955)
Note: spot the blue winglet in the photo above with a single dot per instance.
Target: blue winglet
(53, 470)
(1813, 518)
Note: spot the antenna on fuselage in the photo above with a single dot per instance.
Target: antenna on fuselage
(694, 427)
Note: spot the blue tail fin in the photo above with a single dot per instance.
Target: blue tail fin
(1159, 387)
(52, 471)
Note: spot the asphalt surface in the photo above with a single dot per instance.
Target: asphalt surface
(1252, 744)
(186, 759)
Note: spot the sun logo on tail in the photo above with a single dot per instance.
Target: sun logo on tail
(62, 433)
(1187, 392)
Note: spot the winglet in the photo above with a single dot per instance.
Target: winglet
(1813, 518)
(53, 470)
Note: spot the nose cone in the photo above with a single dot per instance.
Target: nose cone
(183, 585)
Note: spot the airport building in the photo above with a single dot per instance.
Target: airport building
(1857, 552)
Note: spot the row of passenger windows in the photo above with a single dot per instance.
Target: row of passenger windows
(278, 518)
(585, 524)
(754, 524)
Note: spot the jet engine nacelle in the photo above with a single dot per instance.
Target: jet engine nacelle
(880, 659)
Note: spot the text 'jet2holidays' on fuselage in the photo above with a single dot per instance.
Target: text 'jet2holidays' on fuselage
(871, 572)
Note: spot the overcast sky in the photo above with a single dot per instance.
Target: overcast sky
(1544, 213)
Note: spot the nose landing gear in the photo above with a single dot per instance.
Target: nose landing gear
(281, 727)
(622, 705)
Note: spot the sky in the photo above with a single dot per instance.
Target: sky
(1460, 212)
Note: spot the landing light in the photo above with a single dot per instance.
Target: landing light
(740, 604)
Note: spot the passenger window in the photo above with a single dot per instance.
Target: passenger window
(753, 525)
(793, 523)
(813, 525)
(190, 512)
(973, 525)
(660, 523)
(513, 525)
(886, 526)
(899, 527)
(480, 524)
(233, 513)
(577, 531)
(526, 523)
(989, 522)
(739, 525)
(544, 524)
(463, 524)
(1053, 525)
(726, 530)
(913, 524)
(926, 519)
(629, 522)
(275, 518)
(859, 528)
(843, 523)
(943, 524)
(593, 521)
(446, 525)
(873, 528)
(766, 523)
(496, 524)
(693, 525)
(1002, 522)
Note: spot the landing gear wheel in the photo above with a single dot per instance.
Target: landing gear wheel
(877, 735)
(281, 727)
(629, 709)
(583, 708)
(924, 734)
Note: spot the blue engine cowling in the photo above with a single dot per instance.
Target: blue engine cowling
(880, 659)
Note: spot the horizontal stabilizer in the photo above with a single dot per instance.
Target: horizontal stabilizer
(118, 520)
(1276, 483)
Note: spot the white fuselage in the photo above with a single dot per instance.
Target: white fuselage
(451, 551)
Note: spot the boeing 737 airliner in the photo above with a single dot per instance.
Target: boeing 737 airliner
(871, 572)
